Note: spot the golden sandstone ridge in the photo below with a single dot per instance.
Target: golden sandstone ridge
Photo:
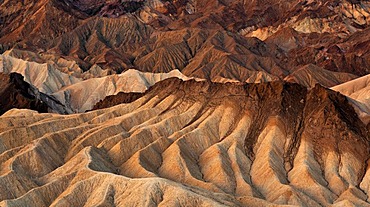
(194, 144)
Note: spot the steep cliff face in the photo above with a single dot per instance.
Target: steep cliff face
(15, 93)
(212, 144)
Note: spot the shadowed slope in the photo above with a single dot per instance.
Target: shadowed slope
(123, 43)
(15, 93)
(263, 40)
(77, 94)
(207, 39)
(358, 91)
(84, 95)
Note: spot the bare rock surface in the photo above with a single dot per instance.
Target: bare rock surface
(81, 94)
(45, 77)
(310, 75)
(191, 143)
(212, 40)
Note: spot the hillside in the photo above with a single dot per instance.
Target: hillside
(283, 145)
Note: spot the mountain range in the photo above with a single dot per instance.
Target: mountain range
(184, 103)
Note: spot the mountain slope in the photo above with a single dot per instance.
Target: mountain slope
(283, 144)
(75, 93)
(82, 96)
(211, 40)
(240, 131)
(123, 43)
(310, 75)
(46, 77)
(358, 91)
(32, 23)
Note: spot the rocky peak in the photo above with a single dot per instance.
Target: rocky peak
(316, 114)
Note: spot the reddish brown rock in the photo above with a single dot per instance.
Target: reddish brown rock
(120, 98)
(329, 34)
(16, 93)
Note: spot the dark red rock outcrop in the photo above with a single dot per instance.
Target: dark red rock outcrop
(351, 54)
(32, 24)
(120, 98)
(15, 93)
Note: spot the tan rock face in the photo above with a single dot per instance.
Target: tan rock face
(83, 95)
(191, 143)
(77, 94)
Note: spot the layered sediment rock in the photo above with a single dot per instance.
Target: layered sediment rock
(310, 75)
(75, 93)
(83, 95)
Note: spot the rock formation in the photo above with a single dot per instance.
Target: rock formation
(117, 99)
(358, 92)
(46, 77)
(211, 40)
(209, 144)
(184, 103)
(83, 95)
(77, 94)
(15, 93)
